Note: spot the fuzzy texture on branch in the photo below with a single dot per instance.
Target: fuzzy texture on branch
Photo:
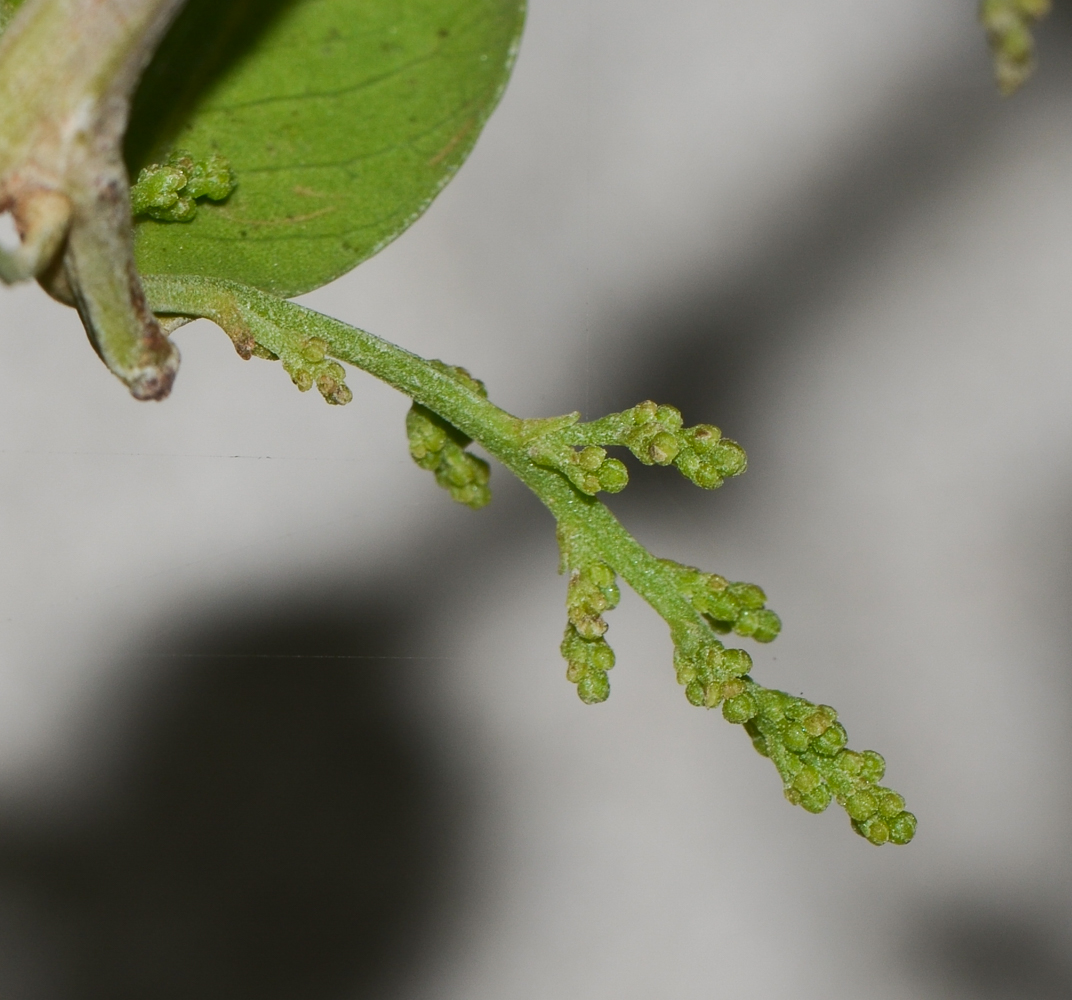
(805, 741)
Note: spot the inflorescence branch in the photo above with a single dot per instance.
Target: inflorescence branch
(565, 463)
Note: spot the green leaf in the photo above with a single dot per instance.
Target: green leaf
(342, 120)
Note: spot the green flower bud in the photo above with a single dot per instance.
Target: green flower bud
(663, 448)
(807, 780)
(902, 828)
(817, 800)
(795, 737)
(724, 606)
(874, 766)
(703, 438)
(729, 457)
(733, 687)
(698, 468)
(694, 691)
(669, 416)
(740, 709)
(819, 721)
(211, 178)
(613, 476)
(157, 187)
(748, 595)
(644, 413)
(736, 662)
(831, 740)
(862, 806)
(314, 349)
(590, 458)
(593, 688)
(876, 830)
(302, 379)
(850, 762)
(890, 804)
(767, 625)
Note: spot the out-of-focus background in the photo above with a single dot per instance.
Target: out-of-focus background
(278, 721)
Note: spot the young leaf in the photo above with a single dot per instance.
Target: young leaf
(341, 120)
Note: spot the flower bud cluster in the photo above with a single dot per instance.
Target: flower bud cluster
(309, 365)
(168, 192)
(656, 436)
(729, 607)
(587, 468)
(1008, 24)
(592, 590)
(807, 745)
(440, 448)
(709, 672)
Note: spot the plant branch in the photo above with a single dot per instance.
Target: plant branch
(803, 740)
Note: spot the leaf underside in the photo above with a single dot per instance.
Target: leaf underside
(342, 120)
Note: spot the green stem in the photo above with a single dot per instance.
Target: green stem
(272, 322)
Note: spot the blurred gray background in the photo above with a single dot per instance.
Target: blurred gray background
(278, 721)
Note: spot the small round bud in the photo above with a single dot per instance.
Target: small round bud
(712, 693)
(593, 688)
(589, 627)
(723, 606)
(314, 349)
(767, 625)
(831, 740)
(740, 709)
(601, 656)
(890, 804)
(816, 800)
(613, 476)
(599, 573)
(575, 670)
(663, 448)
(771, 703)
(733, 687)
(874, 766)
(746, 624)
(694, 691)
(850, 762)
(807, 780)
(703, 437)
(877, 831)
(795, 737)
(902, 828)
(707, 476)
(736, 662)
(644, 413)
(862, 806)
(819, 721)
(669, 416)
(590, 458)
(730, 458)
(748, 595)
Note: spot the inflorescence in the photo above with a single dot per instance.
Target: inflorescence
(805, 741)
(1008, 29)
(439, 447)
(169, 191)
(654, 433)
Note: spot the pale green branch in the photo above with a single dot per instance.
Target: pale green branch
(805, 741)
